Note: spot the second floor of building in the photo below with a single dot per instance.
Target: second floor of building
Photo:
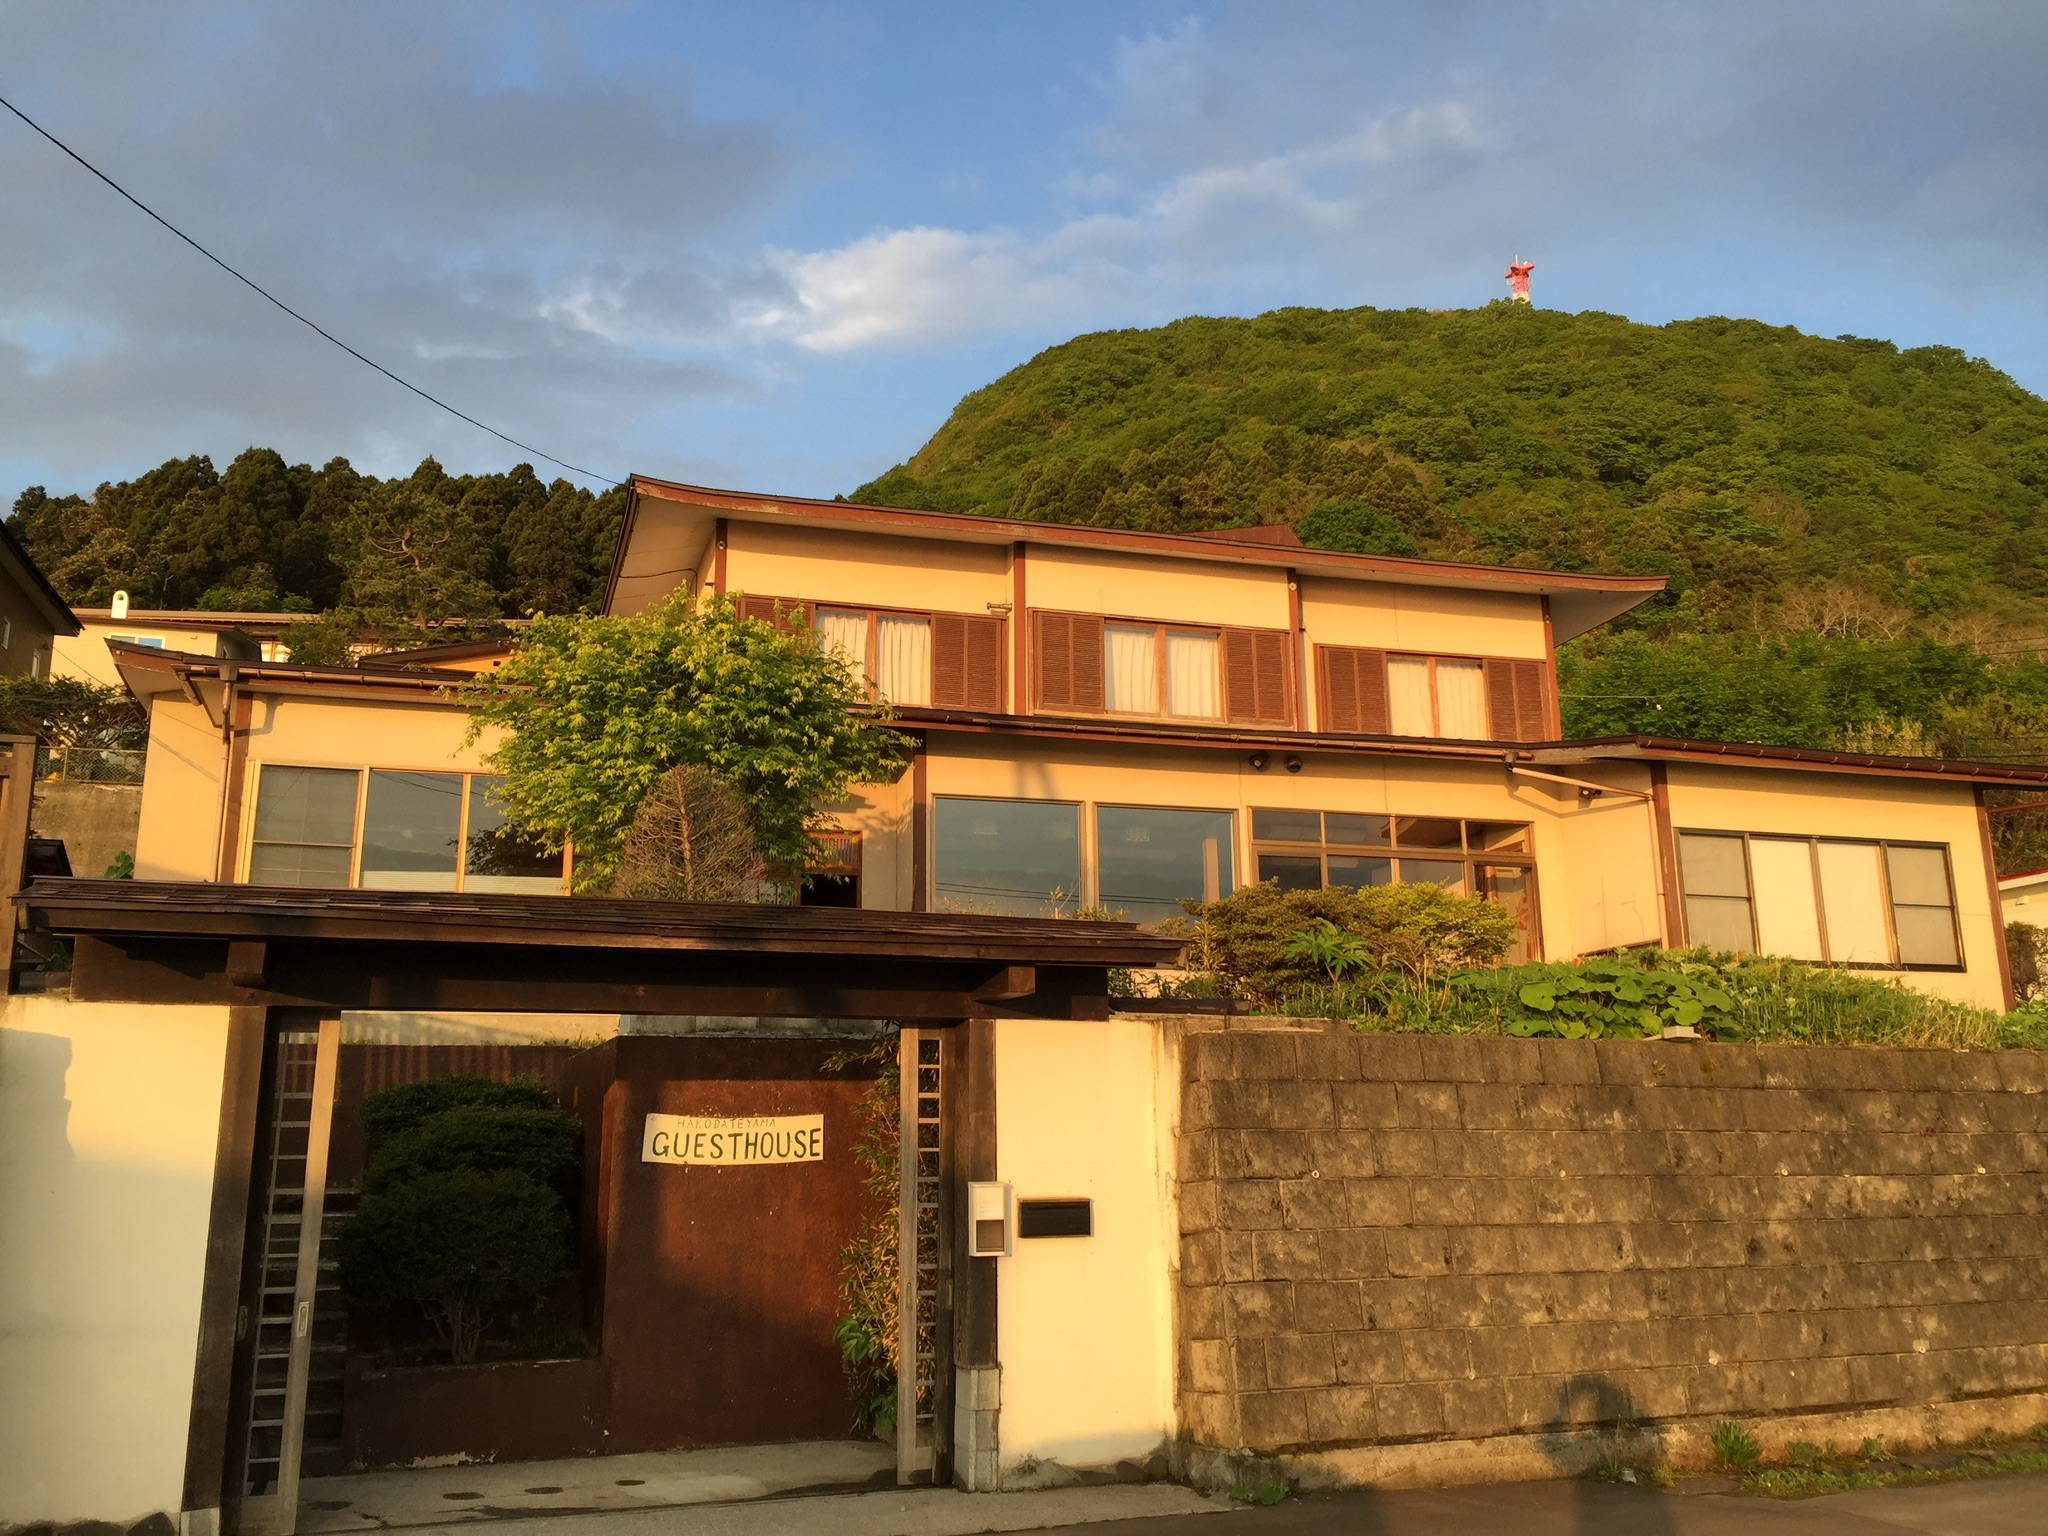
(948, 614)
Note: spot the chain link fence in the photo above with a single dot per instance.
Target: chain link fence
(91, 765)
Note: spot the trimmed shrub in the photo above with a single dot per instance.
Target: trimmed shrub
(543, 1144)
(403, 1105)
(457, 1242)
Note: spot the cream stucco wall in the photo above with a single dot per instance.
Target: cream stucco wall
(178, 837)
(1137, 586)
(108, 1120)
(1442, 621)
(1705, 797)
(874, 570)
(1085, 1324)
(180, 832)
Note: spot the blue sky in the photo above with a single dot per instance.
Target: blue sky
(769, 246)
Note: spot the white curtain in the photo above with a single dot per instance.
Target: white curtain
(845, 632)
(1787, 921)
(1461, 701)
(1853, 894)
(903, 649)
(1408, 696)
(1192, 687)
(1131, 668)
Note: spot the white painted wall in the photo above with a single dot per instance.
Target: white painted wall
(108, 1119)
(1085, 1324)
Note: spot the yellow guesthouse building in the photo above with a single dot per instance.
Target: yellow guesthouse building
(1124, 720)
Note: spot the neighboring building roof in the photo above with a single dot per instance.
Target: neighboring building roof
(450, 656)
(2023, 877)
(200, 618)
(15, 562)
(194, 909)
(1578, 602)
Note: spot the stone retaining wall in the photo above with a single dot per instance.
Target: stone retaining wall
(1397, 1239)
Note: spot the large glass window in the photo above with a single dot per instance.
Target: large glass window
(497, 855)
(412, 831)
(1015, 858)
(305, 829)
(419, 831)
(1306, 850)
(1830, 900)
(1148, 859)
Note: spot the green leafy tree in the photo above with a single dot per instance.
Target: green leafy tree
(598, 710)
(70, 712)
(1354, 526)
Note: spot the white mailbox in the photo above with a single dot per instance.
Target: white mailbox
(989, 1226)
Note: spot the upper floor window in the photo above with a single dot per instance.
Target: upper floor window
(1460, 698)
(1832, 900)
(936, 660)
(1085, 664)
(391, 829)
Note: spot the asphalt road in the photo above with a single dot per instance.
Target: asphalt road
(1993, 1506)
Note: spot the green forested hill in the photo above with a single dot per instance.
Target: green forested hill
(263, 534)
(1856, 536)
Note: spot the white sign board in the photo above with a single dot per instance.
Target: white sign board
(733, 1143)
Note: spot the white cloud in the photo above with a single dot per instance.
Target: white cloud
(924, 285)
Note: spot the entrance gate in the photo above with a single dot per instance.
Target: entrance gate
(923, 1258)
(274, 1324)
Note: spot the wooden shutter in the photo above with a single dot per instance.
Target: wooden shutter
(1514, 700)
(985, 652)
(1354, 689)
(1068, 664)
(1256, 676)
(967, 662)
(782, 612)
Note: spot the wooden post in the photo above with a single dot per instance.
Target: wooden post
(977, 1371)
(227, 1226)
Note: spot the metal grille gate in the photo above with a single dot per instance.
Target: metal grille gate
(287, 1272)
(922, 1255)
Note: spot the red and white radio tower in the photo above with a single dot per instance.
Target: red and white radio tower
(1517, 275)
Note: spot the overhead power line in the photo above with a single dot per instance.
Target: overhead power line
(254, 286)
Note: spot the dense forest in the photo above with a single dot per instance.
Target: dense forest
(404, 559)
(1856, 536)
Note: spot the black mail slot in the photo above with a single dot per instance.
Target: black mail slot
(1055, 1218)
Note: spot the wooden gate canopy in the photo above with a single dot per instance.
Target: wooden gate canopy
(200, 942)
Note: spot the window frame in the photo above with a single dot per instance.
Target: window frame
(1436, 709)
(1084, 852)
(1472, 859)
(1033, 686)
(1882, 845)
(253, 790)
(1162, 689)
(1091, 862)
(807, 608)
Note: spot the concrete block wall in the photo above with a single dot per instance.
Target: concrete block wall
(1395, 1239)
